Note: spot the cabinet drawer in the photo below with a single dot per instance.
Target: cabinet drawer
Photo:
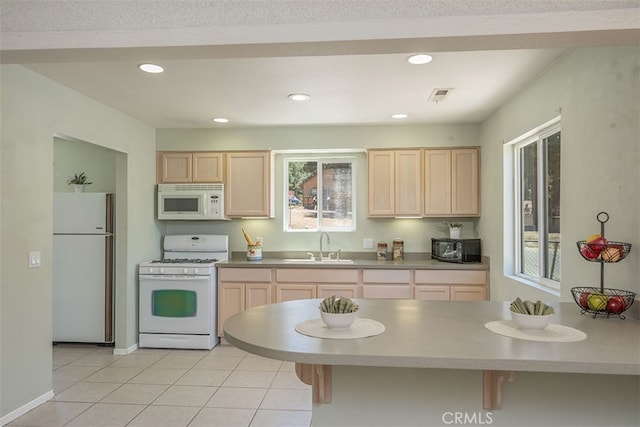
(466, 277)
(386, 276)
(244, 274)
(316, 275)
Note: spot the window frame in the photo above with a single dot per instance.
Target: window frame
(513, 267)
(321, 159)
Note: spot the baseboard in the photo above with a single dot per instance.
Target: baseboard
(26, 408)
(125, 351)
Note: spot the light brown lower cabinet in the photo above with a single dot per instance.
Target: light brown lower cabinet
(454, 285)
(345, 290)
(386, 284)
(468, 293)
(240, 289)
(291, 292)
(294, 283)
(432, 292)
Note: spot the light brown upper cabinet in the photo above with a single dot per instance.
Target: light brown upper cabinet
(395, 178)
(177, 167)
(248, 184)
(451, 182)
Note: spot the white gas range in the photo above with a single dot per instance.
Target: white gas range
(178, 293)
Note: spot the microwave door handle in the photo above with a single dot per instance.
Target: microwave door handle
(205, 207)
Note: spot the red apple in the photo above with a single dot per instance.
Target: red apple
(596, 243)
(616, 304)
(583, 300)
(588, 253)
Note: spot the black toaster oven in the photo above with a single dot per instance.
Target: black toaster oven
(456, 250)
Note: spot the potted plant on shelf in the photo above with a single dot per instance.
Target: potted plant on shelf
(79, 181)
(454, 229)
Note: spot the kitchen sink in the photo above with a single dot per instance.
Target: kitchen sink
(324, 261)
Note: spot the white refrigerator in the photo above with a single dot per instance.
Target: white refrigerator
(83, 267)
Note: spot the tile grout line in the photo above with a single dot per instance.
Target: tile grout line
(242, 357)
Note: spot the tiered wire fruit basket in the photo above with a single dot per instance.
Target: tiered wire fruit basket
(603, 301)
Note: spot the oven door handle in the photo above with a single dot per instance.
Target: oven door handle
(172, 277)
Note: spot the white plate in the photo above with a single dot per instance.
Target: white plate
(360, 328)
(552, 333)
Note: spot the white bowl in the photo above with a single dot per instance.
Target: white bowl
(338, 320)
(531, 321)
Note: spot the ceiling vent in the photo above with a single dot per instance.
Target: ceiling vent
(439, 94)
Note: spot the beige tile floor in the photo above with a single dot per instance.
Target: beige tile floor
(174, 388)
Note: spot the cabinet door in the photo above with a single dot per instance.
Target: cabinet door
(345, 290)
(432, 293)
(248, 184)
(257, 294)
(437, 182)
(408, 182)
(381, 176)
(174, 167)
(468, 293)
(378, 291)
(464, 182)
(207, 167)
(231, 300)
(294, 292)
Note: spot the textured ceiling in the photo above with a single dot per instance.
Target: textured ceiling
(240, 59)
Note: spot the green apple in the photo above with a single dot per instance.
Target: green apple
(597, 302)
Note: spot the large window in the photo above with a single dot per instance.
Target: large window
(320, 194)
(537, 205)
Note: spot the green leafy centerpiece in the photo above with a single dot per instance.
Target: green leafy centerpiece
(531, 315)
(338, 312)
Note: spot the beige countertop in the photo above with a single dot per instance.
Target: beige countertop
(409, 263)
(434, 334)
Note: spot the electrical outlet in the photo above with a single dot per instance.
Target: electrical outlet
(34, 259)
(367, 243)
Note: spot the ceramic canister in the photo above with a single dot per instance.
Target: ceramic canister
(254, 252)
(382, 251)
(398, 249)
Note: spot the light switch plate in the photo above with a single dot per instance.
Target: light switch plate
(367, 243)
(34, 259)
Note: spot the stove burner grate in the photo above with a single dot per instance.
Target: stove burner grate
(183, 261)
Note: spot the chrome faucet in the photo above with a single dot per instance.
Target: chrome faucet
(324, 233)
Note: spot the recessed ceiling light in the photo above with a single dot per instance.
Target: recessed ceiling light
(399, 116)
(220, 120)
(419, 59)
(299, 96)
(151, 68)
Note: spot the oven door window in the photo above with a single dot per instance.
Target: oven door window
(177, 304)
(174, 303)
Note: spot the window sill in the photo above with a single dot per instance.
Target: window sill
(537, 285)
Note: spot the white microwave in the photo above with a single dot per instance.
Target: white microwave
(191, 201)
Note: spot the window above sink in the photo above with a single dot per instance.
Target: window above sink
(320, 193)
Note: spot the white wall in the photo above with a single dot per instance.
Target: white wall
(34, 109)
(598, 92)
(71, 157)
